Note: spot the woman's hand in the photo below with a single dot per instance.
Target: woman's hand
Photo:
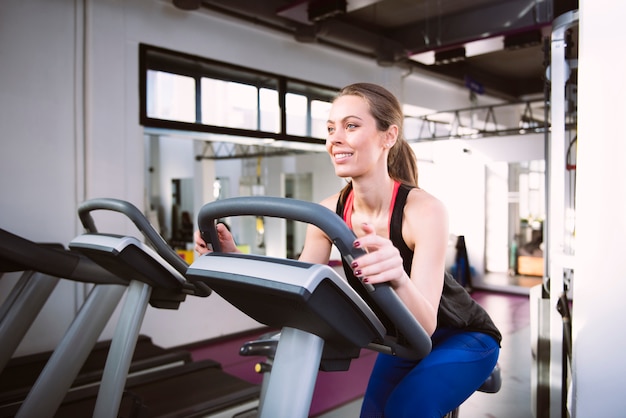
(382, 263)
(227, 242)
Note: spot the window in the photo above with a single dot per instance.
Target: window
(229, 104)
(319, 117)
(184, 92)
(270, 111)
(173, 97)
(297, 114)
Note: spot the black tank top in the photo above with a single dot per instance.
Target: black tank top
(457, 309)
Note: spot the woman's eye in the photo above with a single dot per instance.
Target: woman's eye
(331, 129)
(350, 125)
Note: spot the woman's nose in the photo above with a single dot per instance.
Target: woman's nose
(337, 136)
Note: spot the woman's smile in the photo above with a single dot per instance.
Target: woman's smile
(342, 156)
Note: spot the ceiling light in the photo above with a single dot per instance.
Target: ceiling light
(426, 58)
(472, 49)
(484, 46)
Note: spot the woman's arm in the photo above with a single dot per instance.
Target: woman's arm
(317, 245)
(425, 229)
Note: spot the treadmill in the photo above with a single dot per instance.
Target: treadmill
(43, 265)
(155, 273)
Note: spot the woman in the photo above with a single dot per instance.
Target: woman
(404, 231)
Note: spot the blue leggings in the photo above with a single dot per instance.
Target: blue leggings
(456, 367)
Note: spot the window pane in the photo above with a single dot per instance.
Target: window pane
(270, 112)
(296, 106)
(319, 116)
(229, 104)
(171, 96)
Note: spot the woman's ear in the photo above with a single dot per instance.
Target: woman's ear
(391, 136)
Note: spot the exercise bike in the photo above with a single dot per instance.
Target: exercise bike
(324, 323)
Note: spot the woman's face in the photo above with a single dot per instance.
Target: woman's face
(354, 143)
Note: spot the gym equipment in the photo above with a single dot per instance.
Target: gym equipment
(42, 265)
(324, 322)
(20, 373)
(156, 277)
(56, 378)
(199, 389)
(50, 263)
(265, 346)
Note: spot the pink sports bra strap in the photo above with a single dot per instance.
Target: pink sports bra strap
(347, 209)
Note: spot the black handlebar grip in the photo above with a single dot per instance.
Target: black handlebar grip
(297, 210)
(140, 221)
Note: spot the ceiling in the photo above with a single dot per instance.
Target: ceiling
(396, 32)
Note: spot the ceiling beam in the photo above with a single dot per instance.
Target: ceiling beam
(299, 10)
(502, 18)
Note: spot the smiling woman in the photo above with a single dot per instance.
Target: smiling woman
(353, 112)
(404, 231)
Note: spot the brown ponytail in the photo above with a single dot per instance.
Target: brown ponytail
(402, 163)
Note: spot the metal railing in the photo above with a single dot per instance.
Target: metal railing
(515, 118)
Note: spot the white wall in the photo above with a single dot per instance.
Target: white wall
(70, 130)
(599, 371)
(40, 151)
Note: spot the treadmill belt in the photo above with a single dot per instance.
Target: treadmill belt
(195, 389)
(21, 372)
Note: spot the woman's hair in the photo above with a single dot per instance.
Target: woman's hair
(386, 109)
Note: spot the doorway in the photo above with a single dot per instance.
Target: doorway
(515, 213)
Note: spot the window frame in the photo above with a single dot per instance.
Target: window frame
(174, 62)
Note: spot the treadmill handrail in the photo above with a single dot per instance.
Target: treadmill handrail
(140, 221)
(419, 342)
(53, 259)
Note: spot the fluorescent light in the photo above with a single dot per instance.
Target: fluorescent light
(479, 47)
(426, 58)
(484, 46)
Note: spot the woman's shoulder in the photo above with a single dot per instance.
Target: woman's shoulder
(422, 203)
(422, 197)
(425, 216)
(330, 202)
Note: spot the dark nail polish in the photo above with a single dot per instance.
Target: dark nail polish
(354, 264)
(357, 244)
(357, 273)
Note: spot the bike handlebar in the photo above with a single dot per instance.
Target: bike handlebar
(419, 343)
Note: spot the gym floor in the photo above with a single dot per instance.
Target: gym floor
(511, 313)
